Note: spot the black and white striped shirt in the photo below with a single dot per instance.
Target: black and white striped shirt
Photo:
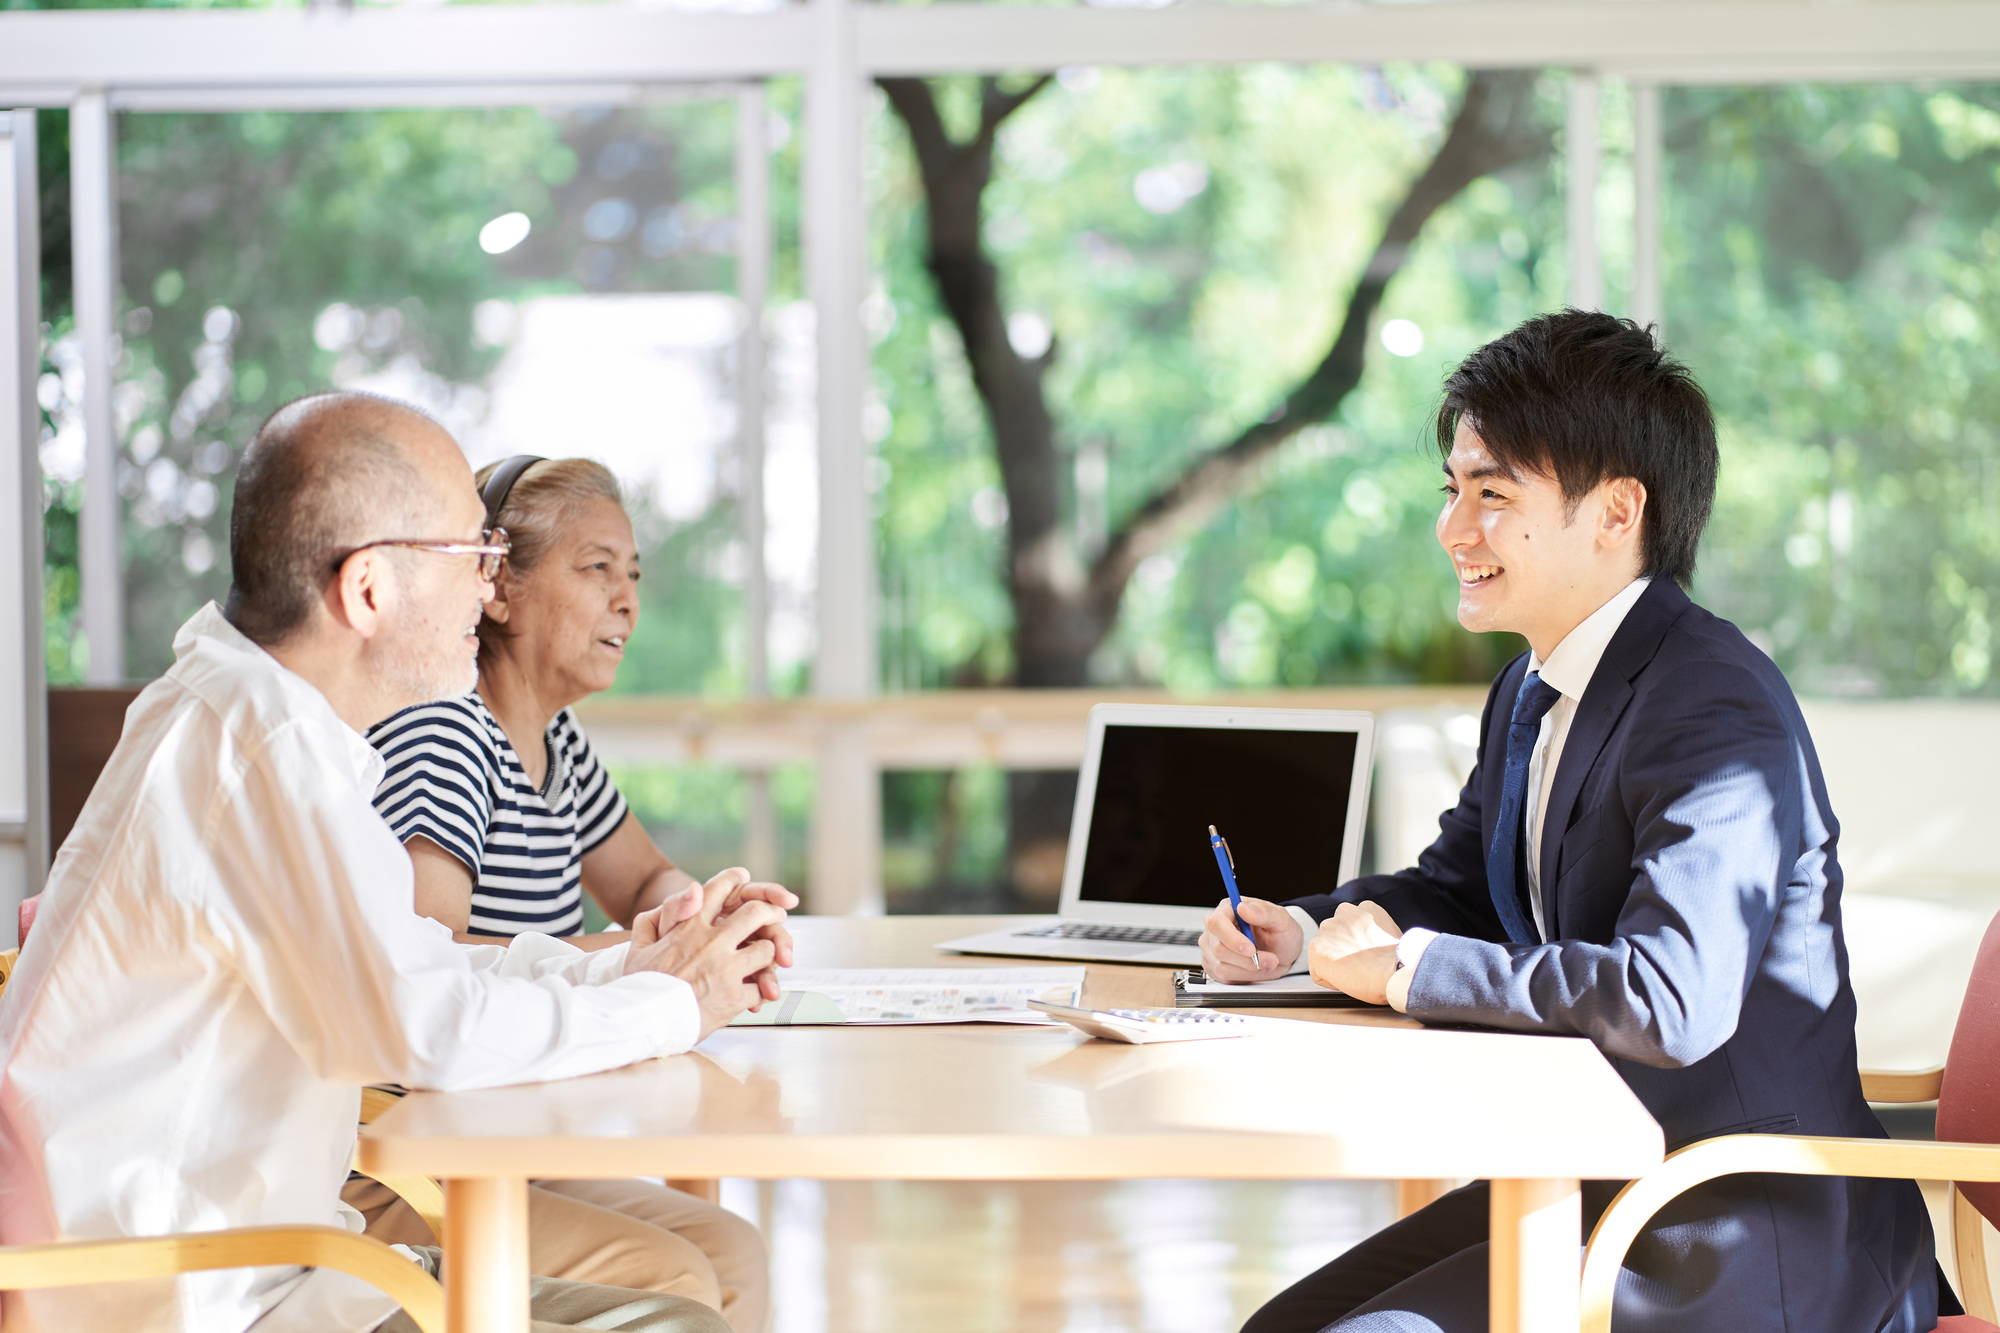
(453, 777)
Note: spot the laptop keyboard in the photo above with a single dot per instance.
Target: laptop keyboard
(1098, 930)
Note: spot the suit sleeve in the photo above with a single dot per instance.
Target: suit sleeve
(1714, 790)
(1446, 890)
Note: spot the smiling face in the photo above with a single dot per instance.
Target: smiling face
(1526, 560)
(568, 619)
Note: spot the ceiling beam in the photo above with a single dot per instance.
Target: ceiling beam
(1678, 40)
(51, 52)
(545, 51)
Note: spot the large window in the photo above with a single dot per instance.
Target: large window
(1177, 251)
(1081, 287)
(557, 281)
(1833, 276)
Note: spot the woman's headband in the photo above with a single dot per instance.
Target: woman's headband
(494, 494)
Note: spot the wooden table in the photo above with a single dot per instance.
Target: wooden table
(1358, 1094)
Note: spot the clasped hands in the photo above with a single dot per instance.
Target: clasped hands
(1354, 951)
(725, 938)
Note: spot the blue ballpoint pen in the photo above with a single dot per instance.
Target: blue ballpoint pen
(1227, 865)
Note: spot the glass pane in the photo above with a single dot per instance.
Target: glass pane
(1833, 276)
(547, 281)
(1176, 250)
(1174, 253)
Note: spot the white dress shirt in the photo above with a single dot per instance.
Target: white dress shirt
(1570, 666)
(1568, 670)
(226, 953)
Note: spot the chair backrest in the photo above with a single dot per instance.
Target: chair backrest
(1969, 1097)
(1905, 779)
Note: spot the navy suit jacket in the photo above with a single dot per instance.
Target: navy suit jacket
(1692, 895)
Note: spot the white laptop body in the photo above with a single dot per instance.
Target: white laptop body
(1286, 787)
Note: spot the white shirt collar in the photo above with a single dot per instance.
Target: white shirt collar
(246, 659)
(1575, 659)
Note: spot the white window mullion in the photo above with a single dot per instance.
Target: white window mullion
(24, 820)
(94, 262)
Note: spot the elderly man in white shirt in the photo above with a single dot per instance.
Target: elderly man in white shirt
(227, 951)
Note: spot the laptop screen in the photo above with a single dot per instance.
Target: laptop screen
(1279, 797)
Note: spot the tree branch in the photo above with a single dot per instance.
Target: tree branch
(1495, 128)
(1043, 572)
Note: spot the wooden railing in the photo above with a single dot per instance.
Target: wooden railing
(940, 729)
(851, 741)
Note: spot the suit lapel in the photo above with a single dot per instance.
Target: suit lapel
(1603, 703)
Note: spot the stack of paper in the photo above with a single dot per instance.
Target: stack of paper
(917, 995)
(1192, 989)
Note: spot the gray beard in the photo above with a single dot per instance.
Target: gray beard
(419, 677)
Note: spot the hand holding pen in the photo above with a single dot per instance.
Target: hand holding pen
(1226, 863)
(1246, 939)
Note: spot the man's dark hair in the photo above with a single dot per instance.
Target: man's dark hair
(323, 476)
(1586, 398)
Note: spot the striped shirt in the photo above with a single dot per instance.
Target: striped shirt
(453, 777)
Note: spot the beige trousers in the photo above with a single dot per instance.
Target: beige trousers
(556, 1306)
(617, 1233)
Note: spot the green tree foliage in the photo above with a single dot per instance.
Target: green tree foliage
(239, 232)
(1830, 270)
(1830, 263)
(1189, 238)
(1834, 279)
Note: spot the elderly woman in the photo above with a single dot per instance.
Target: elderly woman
(510, 819)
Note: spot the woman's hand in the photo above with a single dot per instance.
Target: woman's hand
(688, 902)
(716, 951)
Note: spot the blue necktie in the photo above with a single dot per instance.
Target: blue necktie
(1535, 699)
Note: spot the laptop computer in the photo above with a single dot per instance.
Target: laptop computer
(1288, 788)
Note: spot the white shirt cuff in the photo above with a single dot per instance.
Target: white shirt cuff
(1409, 950)
(1411, 947)
(1310, 928)
(669, 999)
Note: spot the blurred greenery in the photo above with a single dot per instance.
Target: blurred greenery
(696, 813)
(1174, 328)
(1833, 268)
(240, 232)
(1832, 273)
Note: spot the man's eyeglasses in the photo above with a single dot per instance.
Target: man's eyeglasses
(492, 550)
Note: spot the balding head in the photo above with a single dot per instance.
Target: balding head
(325, 475)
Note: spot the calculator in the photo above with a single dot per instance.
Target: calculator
(1139, 1026)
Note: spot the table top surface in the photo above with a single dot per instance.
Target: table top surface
(1345, 1093)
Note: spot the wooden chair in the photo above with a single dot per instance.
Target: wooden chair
(1967, 1091)
(85, 1262)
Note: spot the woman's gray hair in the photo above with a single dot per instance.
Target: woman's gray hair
(542, 503)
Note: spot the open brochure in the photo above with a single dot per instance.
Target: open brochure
(889, 995)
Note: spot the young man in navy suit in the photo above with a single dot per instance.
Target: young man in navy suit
(1644, 856)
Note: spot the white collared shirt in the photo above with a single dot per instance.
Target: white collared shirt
(1568, 670)
(226, 952)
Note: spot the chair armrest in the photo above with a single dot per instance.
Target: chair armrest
(1902, 1085)
(376, 1101)
(424, 1195)
(84, 1262)
(1781, 1154)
